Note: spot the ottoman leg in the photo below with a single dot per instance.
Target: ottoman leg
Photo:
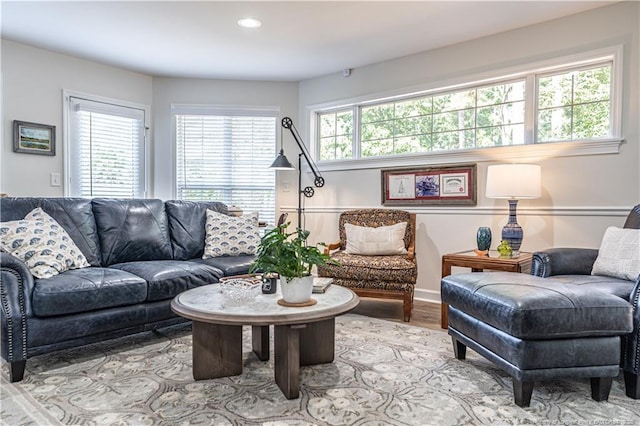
(522, 392)
(600, 388)
(631, 385)
(459, 349)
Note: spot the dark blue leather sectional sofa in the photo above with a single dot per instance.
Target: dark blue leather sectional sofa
(142, 253)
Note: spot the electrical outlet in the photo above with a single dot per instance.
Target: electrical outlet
(54, 179)
(286, 186)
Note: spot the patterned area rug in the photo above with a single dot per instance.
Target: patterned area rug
(385, 373)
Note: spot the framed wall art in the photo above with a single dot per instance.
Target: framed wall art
(34, 138)
(442, 186)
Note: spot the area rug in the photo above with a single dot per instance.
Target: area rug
(385, 373)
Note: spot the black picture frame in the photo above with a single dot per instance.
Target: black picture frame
(447, 185)
(34, 138)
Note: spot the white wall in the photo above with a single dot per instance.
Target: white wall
(582, 195)
(32, 84)
(167, 91)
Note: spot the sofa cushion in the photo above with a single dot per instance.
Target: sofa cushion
(40, 242)
(619, 254)
(231, 236)
(530, 307)
(229, 265)
(373, 268)
(187, 221)
(132, 230)
(615, 286)
(87, 289)
(75, 215)
(374, 285)
(378, 241)
(167, 278)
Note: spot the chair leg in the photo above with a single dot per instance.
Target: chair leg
(631, 385)
(407, 305)
(522, 392)
(459, 349)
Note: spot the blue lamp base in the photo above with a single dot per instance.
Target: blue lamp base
(512, 232)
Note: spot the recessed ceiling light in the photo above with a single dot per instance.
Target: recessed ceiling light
(249, 23)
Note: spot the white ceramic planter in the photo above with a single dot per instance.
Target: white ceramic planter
(297, 290)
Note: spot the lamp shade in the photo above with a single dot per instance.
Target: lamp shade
(281, 162)
(514, 181)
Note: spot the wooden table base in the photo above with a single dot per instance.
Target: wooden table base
(211, 359)
(260, 341)
(217, 350)
(301, 344)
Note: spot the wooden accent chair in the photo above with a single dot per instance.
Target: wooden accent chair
(379, 276)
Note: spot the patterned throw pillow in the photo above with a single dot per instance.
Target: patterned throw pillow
(230, 236)
(42, 244)
(383, 240)
(619, 254)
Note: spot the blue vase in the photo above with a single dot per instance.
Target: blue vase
(484, 238)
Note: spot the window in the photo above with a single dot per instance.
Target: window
(225, 156)
(574, 104)
(336, 135)
(479, 117)
(105, 148)
(568, 99)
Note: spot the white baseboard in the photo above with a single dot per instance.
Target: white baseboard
(427, 296)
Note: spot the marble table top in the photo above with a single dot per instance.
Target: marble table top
(218, 304)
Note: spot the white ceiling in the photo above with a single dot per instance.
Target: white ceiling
(298, 39)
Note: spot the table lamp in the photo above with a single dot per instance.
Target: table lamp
(513, 182)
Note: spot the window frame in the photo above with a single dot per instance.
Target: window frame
(66, 95)
(528, 71)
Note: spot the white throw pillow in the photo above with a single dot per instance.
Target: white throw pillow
(383, 240)
(42, 244)
(619, 254)
(230, 236)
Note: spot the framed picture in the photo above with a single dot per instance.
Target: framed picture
(442, 185)
(34, 138)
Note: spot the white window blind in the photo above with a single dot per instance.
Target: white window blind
(226, 157)
(107, 149)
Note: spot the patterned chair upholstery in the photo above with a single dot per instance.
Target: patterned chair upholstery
(391, 277)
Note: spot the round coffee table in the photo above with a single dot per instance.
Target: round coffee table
(218, 318)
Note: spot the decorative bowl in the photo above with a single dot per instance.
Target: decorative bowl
(240, 290)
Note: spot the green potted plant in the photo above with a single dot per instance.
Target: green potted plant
(288, 255)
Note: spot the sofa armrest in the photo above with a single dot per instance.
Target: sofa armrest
(563, 261)
(631, 343)
(16, 284)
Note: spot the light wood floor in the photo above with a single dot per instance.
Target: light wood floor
(424, 314)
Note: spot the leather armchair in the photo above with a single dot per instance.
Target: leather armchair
(573, 265)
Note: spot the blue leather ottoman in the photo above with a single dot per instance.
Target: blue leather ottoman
(537, 329)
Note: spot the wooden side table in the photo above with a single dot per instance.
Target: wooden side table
(469, 259)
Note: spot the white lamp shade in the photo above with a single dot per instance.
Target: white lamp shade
(514, 181)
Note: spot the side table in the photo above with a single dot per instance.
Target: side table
(492, 261)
